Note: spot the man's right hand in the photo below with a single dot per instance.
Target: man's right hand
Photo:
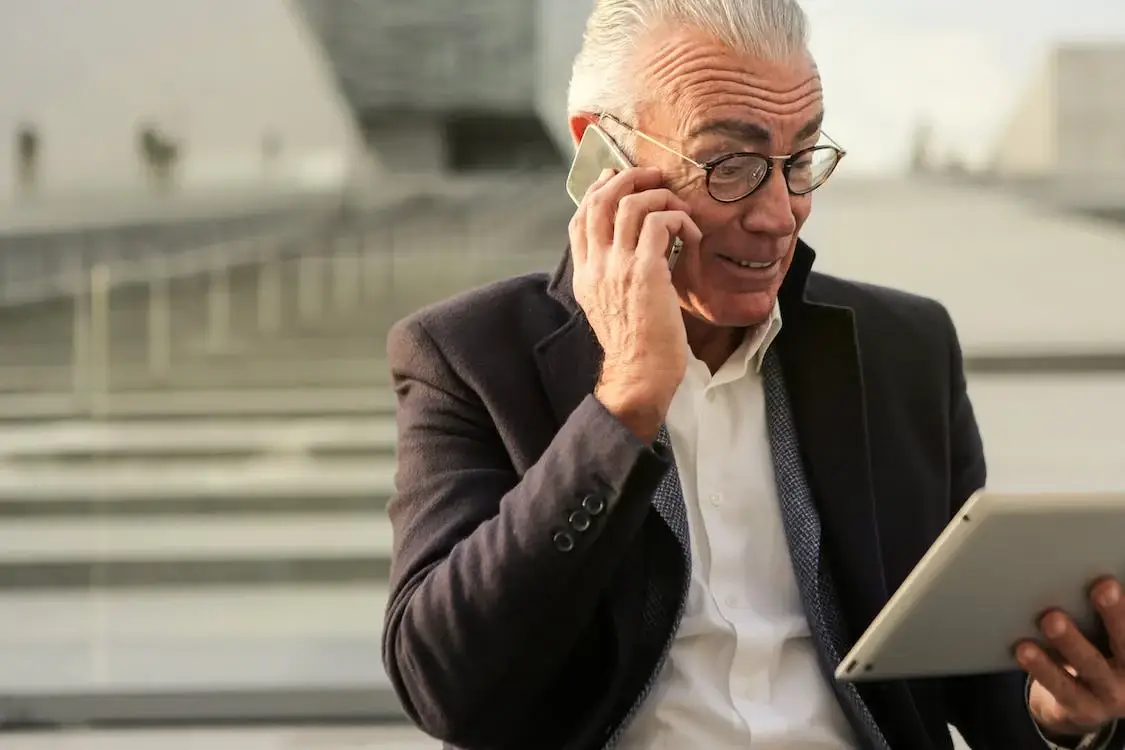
(619, 239)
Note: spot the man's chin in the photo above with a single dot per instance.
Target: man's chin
(735, 310)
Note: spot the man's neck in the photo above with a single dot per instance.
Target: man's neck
(711, 344)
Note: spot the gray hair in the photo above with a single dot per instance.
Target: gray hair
(602, 78)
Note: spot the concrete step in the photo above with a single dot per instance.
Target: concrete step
(165, 403)
(391, 736)
(158, 487)
(190, 539)
(191, 550)
(102, 442)
(209, 652)
(251, 371)
(210, 480)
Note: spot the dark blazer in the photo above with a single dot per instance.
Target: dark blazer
(507, 627)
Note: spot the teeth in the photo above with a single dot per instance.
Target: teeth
(749, 264)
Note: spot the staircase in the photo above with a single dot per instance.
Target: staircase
(194, 471)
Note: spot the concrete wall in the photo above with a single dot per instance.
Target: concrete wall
(1071, 122)
(1028, 144)
(1091, 110)
(215, 76)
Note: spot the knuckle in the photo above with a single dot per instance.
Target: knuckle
(597, 195)
(631, 203)
(576, 223)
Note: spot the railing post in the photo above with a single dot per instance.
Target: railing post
(159, 318)
(378, 271)
(80, 333)
(269, 293)
(218, 305)
(100, 340)
(310, 288)
(347, 271)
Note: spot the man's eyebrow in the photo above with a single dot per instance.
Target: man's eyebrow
(749, 132)
(738, 129)
(810, 128)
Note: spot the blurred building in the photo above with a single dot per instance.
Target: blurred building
(444, 84)
(1065, 141)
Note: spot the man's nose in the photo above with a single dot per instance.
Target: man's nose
(770, 210)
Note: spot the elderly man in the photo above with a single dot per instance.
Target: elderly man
(644, 509)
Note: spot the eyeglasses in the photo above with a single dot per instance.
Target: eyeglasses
(732, 177)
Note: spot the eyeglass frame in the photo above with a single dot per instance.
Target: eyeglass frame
(708, 167)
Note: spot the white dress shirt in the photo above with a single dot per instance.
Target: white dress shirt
(743, 670)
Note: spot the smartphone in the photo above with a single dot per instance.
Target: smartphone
(596, 153)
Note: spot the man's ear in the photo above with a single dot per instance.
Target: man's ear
(578, 125)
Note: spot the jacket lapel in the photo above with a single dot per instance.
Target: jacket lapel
(820, 359)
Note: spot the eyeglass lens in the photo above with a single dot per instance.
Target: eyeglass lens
(739, 175)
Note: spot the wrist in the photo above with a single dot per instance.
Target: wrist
(640, 412)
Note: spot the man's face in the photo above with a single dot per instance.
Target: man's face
(712, 101)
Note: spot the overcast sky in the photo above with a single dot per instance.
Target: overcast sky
(961, 64)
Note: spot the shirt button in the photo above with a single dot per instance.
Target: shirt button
(732, 602)
(716, 499)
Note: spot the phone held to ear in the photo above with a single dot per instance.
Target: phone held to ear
(596, 153)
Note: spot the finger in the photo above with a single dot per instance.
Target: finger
(660, 228)
(1093, 669)
(1070, 694)
(1107, 598)
(601, 204)
(633, 209)
(579, 246)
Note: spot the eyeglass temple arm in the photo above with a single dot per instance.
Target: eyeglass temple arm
(646, 137)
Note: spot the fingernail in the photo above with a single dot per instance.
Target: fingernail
(1025, 654)
(1110, 594)
(1054, 626)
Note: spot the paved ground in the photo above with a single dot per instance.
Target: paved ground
(269, 738)
(192, 638)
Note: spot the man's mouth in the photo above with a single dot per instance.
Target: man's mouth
(752, 264)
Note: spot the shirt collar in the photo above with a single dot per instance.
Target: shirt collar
(758, 341)
(751, 353)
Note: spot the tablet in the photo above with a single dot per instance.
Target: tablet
(998, 566)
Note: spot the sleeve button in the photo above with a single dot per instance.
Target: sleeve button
(564, 542)
(580, 521)
(593, 505)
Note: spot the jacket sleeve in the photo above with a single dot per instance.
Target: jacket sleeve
(495, 575)
(990, 711)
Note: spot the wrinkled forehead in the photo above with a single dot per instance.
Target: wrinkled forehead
(700, 88)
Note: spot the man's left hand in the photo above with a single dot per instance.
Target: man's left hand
(1078, 689)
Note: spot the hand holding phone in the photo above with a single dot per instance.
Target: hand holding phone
(620, 236)
(596, 153)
